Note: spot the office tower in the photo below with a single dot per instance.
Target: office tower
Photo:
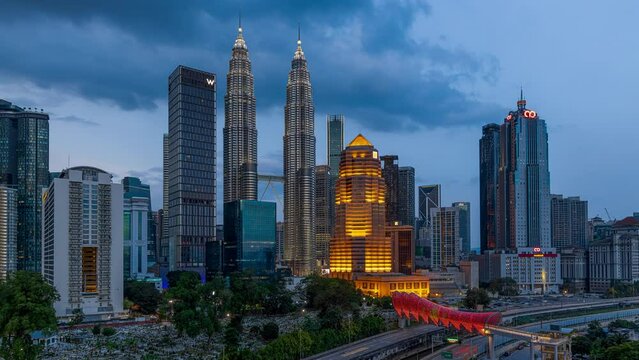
(138, 225)
(464, 226)
(406, 196)
(8, 231)
(134, 188)
(279, 242)
(191, 162)
(390, 173)
(334, 142)
(299, 168)
(523, 201)
(240, 133)
(249, 237)
(446, 241)
(163, 255)
(82, 243)
(324, 209)
(569, 220)
(360, 243)
(24, 166)
(488, 186)
(402, 247)
(429, 199)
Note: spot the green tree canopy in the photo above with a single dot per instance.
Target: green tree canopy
(505, 286)
(626, 351)
(143, 294)
(476, 297)
(26, 305)
(326, 293)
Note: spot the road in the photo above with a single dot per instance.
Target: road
(376, 343)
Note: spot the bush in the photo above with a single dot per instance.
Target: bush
(96, 330)
(108, 331)
(270, 331)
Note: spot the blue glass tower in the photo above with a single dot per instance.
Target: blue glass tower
(249, 236)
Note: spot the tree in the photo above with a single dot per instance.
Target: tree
(581, 345)
(143, 294)
(475, 297)
(625, 351)
(270, 331)
(371, 325)
(108, 331)
(325, 293)
(192, 306)
(26, 305)
(174, 276)
(294, 345)
(595, 331)
(96, 330)
(231, 338)
(77, 317)
(505, 286)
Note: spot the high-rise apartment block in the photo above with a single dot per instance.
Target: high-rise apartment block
(191, 176)
(299, 168)
(360, 244)
(82, 253)
(8, 231)
(446, 238)
(24, 166)
(569, 220)
(402, 248)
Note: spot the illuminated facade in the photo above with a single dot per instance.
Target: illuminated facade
(240, 132)
(380, 285)
(82, 252)
(299, 168)
(360, 244)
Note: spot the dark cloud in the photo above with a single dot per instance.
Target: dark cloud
(362, 58)
(74, 119)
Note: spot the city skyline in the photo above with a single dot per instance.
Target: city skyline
(77, 110)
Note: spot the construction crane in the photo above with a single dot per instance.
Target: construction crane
(607, 213)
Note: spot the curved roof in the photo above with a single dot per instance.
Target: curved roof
(629, 221)
(360, 140)
(89, 168)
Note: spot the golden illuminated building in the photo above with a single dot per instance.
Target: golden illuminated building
(380, 285)
(360, 244)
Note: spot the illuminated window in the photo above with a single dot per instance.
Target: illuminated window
(89, 269)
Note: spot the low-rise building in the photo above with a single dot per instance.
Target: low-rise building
(383, 284)
(574, 268)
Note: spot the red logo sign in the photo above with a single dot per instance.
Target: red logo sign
(537, 249)
(530, 114)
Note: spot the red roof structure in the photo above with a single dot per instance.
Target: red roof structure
(414, 307)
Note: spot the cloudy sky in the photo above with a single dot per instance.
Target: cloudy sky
(418, 78)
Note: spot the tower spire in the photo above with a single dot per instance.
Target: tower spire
(521, 103)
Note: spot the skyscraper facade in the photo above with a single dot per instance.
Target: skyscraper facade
(390, 173)
(406, 196)
(8, 231)
(240, 132)
(446, 240)
(360, 243)
(523, 201)
(402, 248)
(324, 209)
(191, 163)
(489, 146)
(24, 165)
(134, 188)
(135, 240)
(82, 252)
(429, 199)
(464, 226)
(569, 220)
(299, 168)
(249, 238)
(334, 142)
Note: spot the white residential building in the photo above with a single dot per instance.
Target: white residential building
(82, 243)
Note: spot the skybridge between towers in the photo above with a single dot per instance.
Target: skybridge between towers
(411, 306)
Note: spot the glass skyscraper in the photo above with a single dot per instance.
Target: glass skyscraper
(523, 201)
(324, 202)
(24, 166)
(334, 141)
(299, 168)
(191, 162)
(390, 173)
(464, 226)
(136, 196)
(488, 186)
(406, 196)
(8, 230)
(249, 239)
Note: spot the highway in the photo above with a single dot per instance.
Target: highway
(365, 348)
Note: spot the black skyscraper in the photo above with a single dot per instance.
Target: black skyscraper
(488, 184)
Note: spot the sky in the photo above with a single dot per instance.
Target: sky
(417, 78)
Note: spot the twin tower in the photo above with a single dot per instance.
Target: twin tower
(240, 151)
